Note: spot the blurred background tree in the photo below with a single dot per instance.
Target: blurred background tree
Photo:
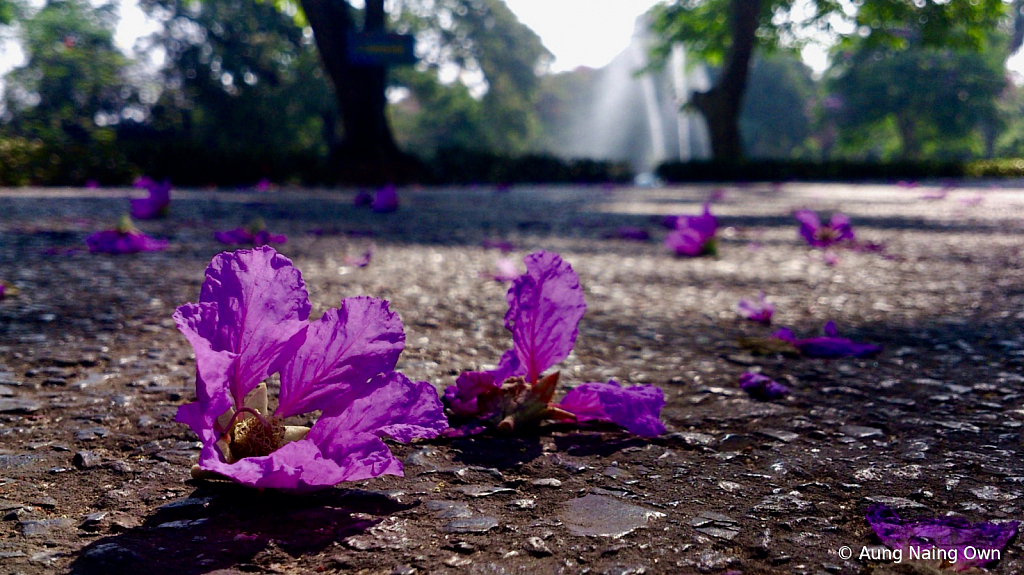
(73, 88)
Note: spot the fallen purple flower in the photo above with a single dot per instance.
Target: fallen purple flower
(694, 235)
(762, 387)
(156, 205)
(828, 347)
(545, 307)
(634, 408)
(503, 246)
(631, 233)
(971, 201)
(951, 542)
(263, 185)
(505, 270)
(92, 184)
(360, 261)
(823, 236)
(760, 311)
(251, 321)
(254, 234)
(386, 200)
(363, 198)
(124, 239)
(909, 185)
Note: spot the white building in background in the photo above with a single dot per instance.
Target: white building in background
(635, 117)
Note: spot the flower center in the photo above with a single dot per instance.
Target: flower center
(255, 437)
(825, 234)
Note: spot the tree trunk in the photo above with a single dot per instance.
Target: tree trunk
(721, 105)
(367, 153)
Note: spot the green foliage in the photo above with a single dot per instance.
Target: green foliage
(828, 170)
(776, 117)
(71, 90)
(935, 100)
(240, 79)
(453, 165)
(481, 40)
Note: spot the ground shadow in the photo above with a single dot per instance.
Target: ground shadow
(496, 451)
(223, 526)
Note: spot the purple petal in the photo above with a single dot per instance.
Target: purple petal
(344, 348)
(198, 323)
(462, 397)
(389, 404)
(235, 236)
(505, 270)
(809, 225)
(830, 329)
(835, 347)
(635, 408)
(262, 307)
(386, 200)
(632, 233)
(759, 311)
(785, 334)
(943, 533)
(363, 199)
(685, 242)
(360, 261)
(117, 242)
(840, 225)
(762, 387)
(545, 307)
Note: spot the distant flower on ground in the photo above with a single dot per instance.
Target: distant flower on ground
(952, 543)
(154, 206)
(386, 200)
(255, 234)
(545, 307)
(760, 311)
(716, 195)
(124, 239)
(363, 198)
(503, 246)
(823, 236)
(92, 184)
(694, 235)
(762, 387)
(505, 270)
(251, 321)
(263, 185)
(828, 347)
(631, 233)
(360, 261)
(939, 194)
(907, 184)
(971, 201)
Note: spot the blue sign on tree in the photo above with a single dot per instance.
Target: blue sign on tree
(381, 49)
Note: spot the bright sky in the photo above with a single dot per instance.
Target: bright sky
(581, 32)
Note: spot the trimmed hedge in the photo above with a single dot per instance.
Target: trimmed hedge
(781, 170)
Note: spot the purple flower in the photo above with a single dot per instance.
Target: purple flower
(822, 236)
(386, 200)
(251, 321)
(263, 185)
(760, 311)
(545, 307)
(360, 261)
(124, 239)
(762, 387)
(950, 541)
(631, 233)
(829, 347)
(363, 198)
(634, 408)
(501, 245)
(505, 270)
(694, 235)
(154, 206)
(92, 184)
(255, 234)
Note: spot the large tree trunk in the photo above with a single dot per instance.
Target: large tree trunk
(721, 105)
(367, 152)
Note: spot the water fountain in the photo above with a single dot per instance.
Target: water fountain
(618, 114)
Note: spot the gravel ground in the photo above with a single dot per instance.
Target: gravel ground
(94, 472)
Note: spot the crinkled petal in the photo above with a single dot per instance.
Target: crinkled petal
(309, 464)
(636, 408)
(116, 242)
(470, 385)
(545, 307)
(389, 404)
(346, 347)
(685, 242)
(262, 307)
(762, 387)
(235, 236)
(840, 224)
(198, 323)
(946, 533)
(760, 311)
(809, 224)
(785, 334)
